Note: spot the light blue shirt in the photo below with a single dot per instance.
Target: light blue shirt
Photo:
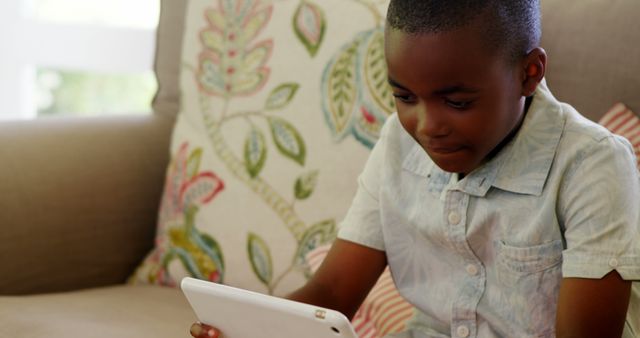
(484, 256)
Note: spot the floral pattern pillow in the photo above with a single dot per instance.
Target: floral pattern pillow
(281, 102)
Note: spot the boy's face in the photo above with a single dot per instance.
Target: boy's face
(455, 96)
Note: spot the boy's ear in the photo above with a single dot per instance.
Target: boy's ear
(533, 68)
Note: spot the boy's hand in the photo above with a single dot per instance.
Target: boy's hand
(341, 283)
(199, 330)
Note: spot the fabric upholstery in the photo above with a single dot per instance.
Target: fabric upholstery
(189, 152)
(167, 57)
(278, 115)
(624, 122)
(573, 33)
(243, 244)
(79, 197)
(121, 311)
(79, 200)
(594, 59)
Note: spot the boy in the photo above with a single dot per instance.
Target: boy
(500, 211)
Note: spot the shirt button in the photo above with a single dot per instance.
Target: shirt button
(472, 270)
(613, 263)
(462, 331)
(454, 218)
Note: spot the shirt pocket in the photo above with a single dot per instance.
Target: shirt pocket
(519, 262)
(529, 278)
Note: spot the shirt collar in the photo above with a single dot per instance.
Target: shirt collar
(522, 166)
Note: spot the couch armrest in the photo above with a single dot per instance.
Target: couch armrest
(78, 199)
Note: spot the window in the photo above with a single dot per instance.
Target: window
(81, 57)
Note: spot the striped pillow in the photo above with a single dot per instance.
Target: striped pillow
(622, 121)
(383, 312)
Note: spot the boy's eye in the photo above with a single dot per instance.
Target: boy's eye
(458, 104)
(405, 98)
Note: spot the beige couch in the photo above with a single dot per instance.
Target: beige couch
(78, 197)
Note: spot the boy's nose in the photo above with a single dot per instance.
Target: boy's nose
(431, 124)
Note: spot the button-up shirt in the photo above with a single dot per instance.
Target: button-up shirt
(484, 256)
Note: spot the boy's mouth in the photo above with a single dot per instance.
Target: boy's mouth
(443, 149)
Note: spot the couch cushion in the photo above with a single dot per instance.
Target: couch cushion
(281, 104)
(79, 200)
(122, 312)
(167, 61)
(594, 59)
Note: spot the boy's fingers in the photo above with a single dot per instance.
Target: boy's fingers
(199, 330)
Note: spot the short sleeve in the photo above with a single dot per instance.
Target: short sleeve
(362, 224)
(600, 204)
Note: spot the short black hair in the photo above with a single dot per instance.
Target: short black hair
(513, 26)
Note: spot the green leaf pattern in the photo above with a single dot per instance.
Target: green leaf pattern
(355, 94)
(281, 96)
(305, 185)
(375, 73)
(339, 90)
(288, 140)
(309, 24)
(260, 257)
(193, 163)
(255, 152)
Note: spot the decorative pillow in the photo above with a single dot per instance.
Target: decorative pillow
(384, 311)
(622, 121)
(281, 102)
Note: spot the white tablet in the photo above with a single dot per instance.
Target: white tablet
(240, 313)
